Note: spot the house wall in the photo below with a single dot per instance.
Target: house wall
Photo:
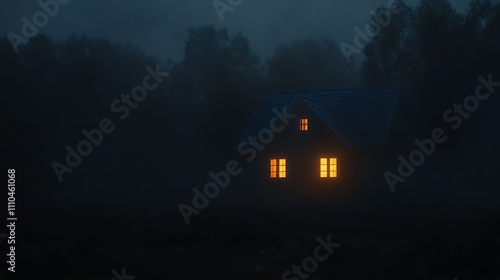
(357, 168)
(303, 150)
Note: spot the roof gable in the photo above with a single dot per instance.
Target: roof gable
(361, 117)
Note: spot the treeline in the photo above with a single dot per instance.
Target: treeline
(51, 91)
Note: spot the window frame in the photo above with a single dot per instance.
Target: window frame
(278, 168)
(328, 167)
(304, 124)
(273, 168)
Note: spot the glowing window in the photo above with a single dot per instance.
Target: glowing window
(304, 124)
(277, 168)
(328, 167)
(282, 168)
(274, 168)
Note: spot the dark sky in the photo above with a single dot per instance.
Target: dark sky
(160, 26)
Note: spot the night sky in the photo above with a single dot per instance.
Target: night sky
(159, 27)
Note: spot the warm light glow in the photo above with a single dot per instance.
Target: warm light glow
(304, 124)
(333, 167)
(282, 168)
(323, 168)
(273, 168)
(328, 168)
(277, 168)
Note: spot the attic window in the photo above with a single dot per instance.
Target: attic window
(278, 168)
(328, 167)
(304, 124)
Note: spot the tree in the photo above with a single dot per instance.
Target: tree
(309, 64)
(433, 55)
(217, 84)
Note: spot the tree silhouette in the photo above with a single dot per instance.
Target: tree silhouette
(309, 64)
(433, 55)
(217, 84)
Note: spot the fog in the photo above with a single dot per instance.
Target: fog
(117, 114)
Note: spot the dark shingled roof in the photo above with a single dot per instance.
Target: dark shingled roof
(359, 116)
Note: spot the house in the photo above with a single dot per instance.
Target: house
(335, 137)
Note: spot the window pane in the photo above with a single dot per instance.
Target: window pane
(273, 168)
(304, 124)
(333, 167)
(282, 168)
(323, 168)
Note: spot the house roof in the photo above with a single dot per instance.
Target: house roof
(360, 116)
